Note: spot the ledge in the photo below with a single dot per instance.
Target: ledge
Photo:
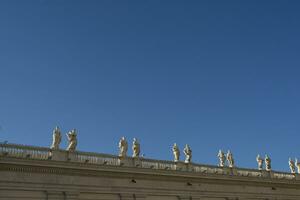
(58, 160)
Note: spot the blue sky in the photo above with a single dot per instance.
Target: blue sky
(213, 74)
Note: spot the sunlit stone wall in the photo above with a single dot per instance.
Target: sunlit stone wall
(28, 172)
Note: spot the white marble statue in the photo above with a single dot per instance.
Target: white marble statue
(268, 163)
(260, 162)
(176, 152)
(292, 166)
(230, 159)
(56, 138)
(188, 153)
(123, 147)
(222, 158)
(72, 139)
(297, 165)
(135, 148)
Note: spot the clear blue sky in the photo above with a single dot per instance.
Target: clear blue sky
(213, 74)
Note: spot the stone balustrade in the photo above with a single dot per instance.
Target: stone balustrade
(42, 153)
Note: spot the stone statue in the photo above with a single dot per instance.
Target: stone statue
(297, 165)
(221, 157)
(230, 159)
(176, 152)
(292, 166)
(123, 147)
(268, 163)
(72, 139)
(260, 162)
(188, 153)
(135, 148)
(56, 139)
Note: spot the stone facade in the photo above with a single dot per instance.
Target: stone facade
(38, 173)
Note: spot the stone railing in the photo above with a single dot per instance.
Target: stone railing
(42, 153)
(23, 151)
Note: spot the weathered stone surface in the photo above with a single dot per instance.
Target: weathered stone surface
(31, 173)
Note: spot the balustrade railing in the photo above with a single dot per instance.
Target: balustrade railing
(42, 153)
(95, 158)
(22, 151)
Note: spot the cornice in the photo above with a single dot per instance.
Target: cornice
(86, 169)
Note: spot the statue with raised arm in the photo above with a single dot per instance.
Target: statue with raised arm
(230, 159)
(56, 139)
(268, 163)
(135, 148)
(297, 165)
(176, 152)
(72, 139)
(188, 153)
(222, 158)
(292, 166)
(123, 147)
(260, 162)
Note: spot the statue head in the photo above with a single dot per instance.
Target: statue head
(56, 130)
(175, 147)
(72, 134)
(220, 153)
(135, 142)
(267, 158)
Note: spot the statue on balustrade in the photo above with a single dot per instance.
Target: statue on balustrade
(56, 139)
(268, 163)
(297, 165)
(188, 153)
(72, 139)
(123, 147)
(222, 158)
(260, 162)
(230, 159)
(176, 152)
(136, 148)
(292, 166)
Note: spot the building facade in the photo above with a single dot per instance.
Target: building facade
(38, 173)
